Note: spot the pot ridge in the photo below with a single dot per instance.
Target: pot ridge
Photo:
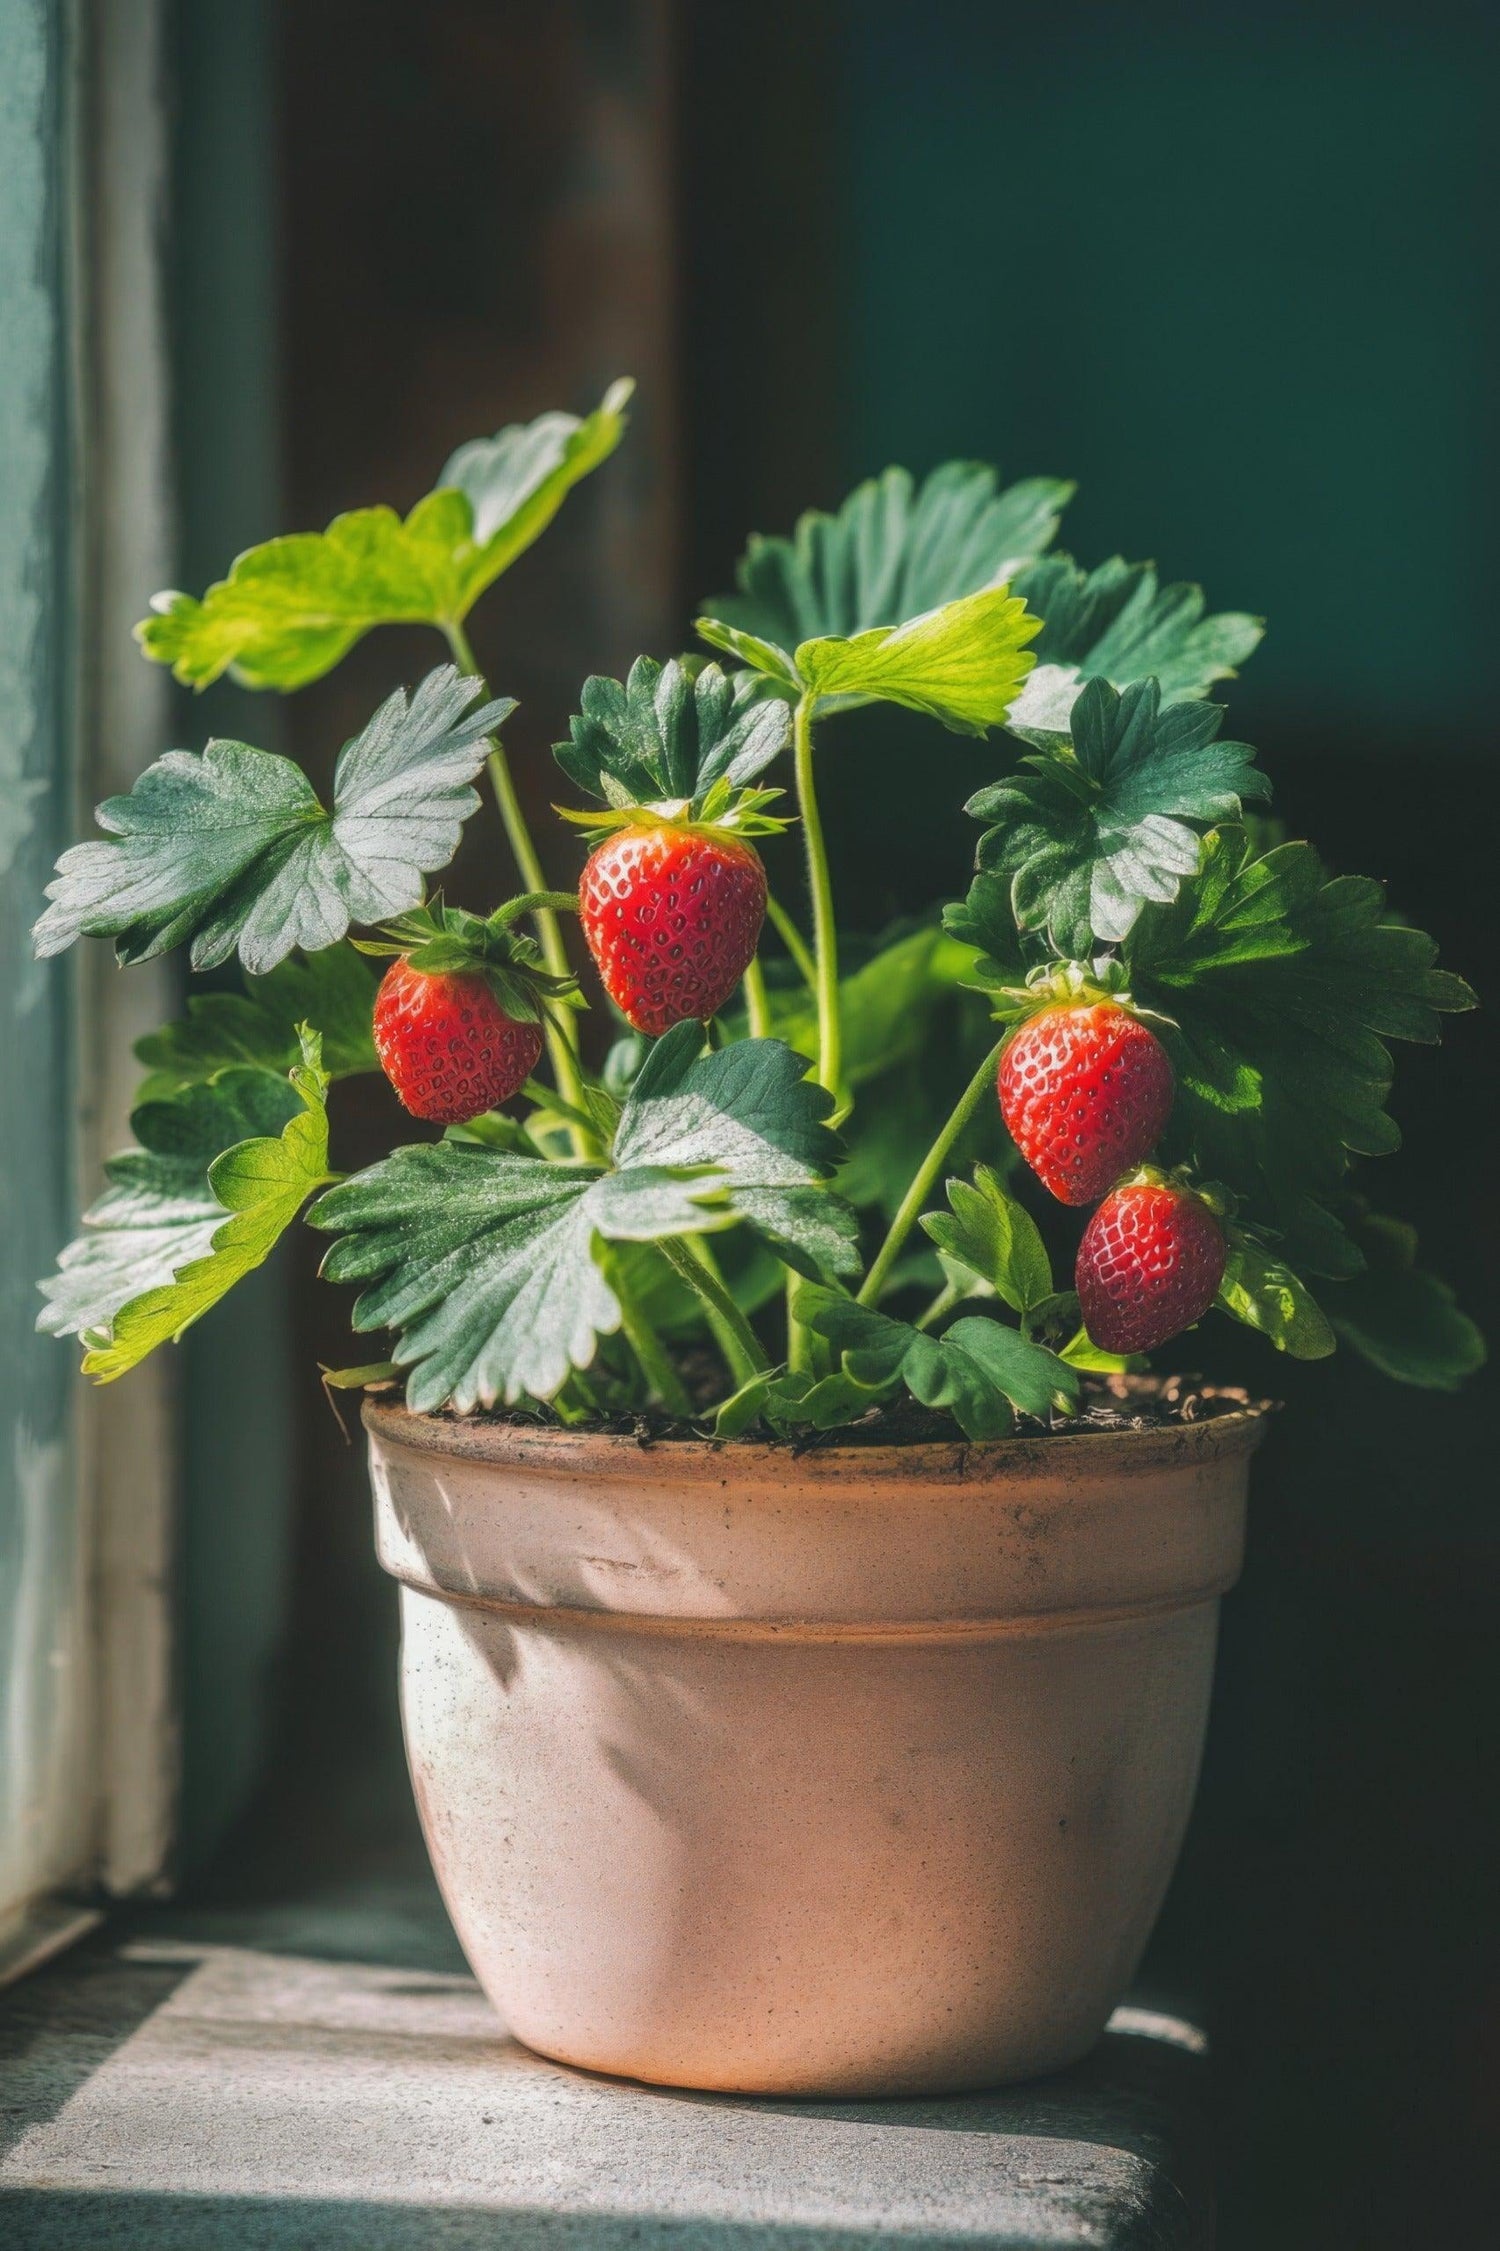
(938, 1541)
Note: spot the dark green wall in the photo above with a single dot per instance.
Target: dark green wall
(1236, 271)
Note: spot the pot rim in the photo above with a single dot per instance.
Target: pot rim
(613, 1453)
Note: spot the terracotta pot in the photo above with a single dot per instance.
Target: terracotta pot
(855, 1773)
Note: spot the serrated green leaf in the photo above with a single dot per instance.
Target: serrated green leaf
(993, 1236)
(1262, 1291)
(892, 552)
(1281, 987)
(664, 735)
(291, 609)
(1117, 623)
(789, 1400)
(483, 1259)
(961, 664)
(978, 1369)
(233, 850)
(1086, 840)
(222, 1171)
(1402, 1319)
(516, 481)
(334, 991)
(483, 1262)
(749, 1109)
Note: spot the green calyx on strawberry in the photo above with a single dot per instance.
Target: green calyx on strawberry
(673, 894)
(459, 1013)
(1151, 1260)
(1085, 1086)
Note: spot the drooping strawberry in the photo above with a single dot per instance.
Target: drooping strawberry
(672, 897)
(1085, 1087)
(447, 1046)
(458, 1014)
(672, 917)
(1149, 1265)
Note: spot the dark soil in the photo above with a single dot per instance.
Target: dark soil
(1106, 1403)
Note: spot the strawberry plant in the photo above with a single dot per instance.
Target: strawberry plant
(709, 1156)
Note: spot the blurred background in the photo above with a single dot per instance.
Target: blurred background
(1234, 268)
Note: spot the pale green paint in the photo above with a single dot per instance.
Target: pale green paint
(42, 1682)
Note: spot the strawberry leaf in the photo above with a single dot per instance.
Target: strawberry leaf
(663, 736)
(961, 664)
(223, 1169)
(787, 1399)
(1282, 986)
(992, 1236)
(981, 1371)
(233, 850)
(334, 991)
(483, 1259)
(1400, 1318)
(1262, 1291)
(1085, 840)
(1118, 623)
(291, 609)
(894, 551)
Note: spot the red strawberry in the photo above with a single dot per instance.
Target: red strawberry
(446, 1044)
(1085, 1092)
(672, 918)
(1149, 1266)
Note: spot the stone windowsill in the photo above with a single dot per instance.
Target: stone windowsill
(326, 2074)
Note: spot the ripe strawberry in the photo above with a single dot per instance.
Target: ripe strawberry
(1085, 1092)
(1149, 1266)
(447, 1046)
(672, 917)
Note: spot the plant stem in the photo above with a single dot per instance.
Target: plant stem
(726, 1336)
(794, 942)
(948, 1296)
(562, 1044)
(757, 1006)
(825, 933)
(821, 973)
(648, 1348)
(801, 1342)
(741, 1345)
(913, 1202)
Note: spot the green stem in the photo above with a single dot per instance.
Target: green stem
(725, 1333)
(821, 972)
(757, 1006)
(742, 1347)
(915, 1199)
(648, 1348)
(794, 942)
(948, 1296)
(562, 1044)
(801, 1342)
(825, 933)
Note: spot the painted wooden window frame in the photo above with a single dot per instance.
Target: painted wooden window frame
(88, 1479)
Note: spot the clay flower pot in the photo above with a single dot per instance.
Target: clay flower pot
(856, 1773)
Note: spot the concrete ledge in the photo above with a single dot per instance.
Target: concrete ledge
(319, 2076)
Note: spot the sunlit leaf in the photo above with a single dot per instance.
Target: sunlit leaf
(291, 609)
(232, 849)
